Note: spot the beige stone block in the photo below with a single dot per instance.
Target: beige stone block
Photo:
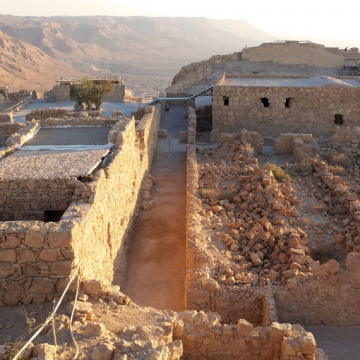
(35, 239)
(8, 256)
(61, 268)
(48, 255)
(307, 343)
(92, 287)
(41, 285)
(11, 242)
(59, 238)
(27, 256)
(243, 327)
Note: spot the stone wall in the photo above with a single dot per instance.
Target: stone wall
(192, 123)
(312, 110)
(19, 95)
(6, 118)
(293, 52)
(96, 227)
(345, 134)
(40, 114)
(28, 199)
(78, 121)
(118, 94)
(299, 145)
(60, 92)
(7, 130)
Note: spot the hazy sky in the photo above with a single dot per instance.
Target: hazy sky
(304, 19)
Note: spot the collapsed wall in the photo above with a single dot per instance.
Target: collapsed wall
(96, 227)
(274, 110)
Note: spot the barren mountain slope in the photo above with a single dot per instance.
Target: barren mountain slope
(23, 66)
(132, 36)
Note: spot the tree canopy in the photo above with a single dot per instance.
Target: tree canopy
(90, 93)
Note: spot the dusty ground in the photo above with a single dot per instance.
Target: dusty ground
(156, 272)
(71, 136)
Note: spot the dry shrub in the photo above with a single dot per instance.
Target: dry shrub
(278, 172)
(342, 160)
(302, 168)
(337, 170)
(322, 254)
(216, 194)
(335, 158)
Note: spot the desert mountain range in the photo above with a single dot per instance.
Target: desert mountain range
(146, 51)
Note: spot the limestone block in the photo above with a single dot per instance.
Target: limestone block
(41, 285)
(307, 343)
(48, 255)
(332, 266)
(278, 331)
(92, 287)
(61, 268)
(11, 242)
(94, 329)
(197, 296)
(103, 352)
(60, 238)
(210, 284)
(44, 352)
(243, 327)
(162, 134)
(352, 261)
(8, 256)
(35, 239)
(27, 256)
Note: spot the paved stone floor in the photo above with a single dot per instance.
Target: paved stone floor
(339, 343)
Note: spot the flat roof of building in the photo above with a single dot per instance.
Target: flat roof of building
(50, 164)
(85, 135)
(319, 81)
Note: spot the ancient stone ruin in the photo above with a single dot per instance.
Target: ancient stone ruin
(241, 210)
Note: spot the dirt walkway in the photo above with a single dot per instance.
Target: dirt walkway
(157, 259)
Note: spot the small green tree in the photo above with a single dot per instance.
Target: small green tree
(91, 93)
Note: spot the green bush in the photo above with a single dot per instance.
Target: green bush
(89, 92)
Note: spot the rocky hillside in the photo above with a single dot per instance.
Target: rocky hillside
(25, 66)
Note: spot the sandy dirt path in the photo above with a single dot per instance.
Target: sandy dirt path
(157, 257)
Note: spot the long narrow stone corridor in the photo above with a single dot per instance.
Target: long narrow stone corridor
(157, 257)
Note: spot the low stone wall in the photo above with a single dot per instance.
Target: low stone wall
(299, 145)
(310, 110)
(19, 95)
(7, 130)
(40, 114)
(294, 52)
(118, 94)
(6, 118)
(79, 121)
(346, 134)
(192, 123)
(60, 92)
(22, 135)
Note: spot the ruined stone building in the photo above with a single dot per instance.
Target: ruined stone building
(64, 88)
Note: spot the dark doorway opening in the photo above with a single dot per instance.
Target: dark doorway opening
(288, 103)
(226, 101)
(265, 101)
(53, 215)
(339, 119)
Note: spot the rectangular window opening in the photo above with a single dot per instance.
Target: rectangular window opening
(265, 102)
